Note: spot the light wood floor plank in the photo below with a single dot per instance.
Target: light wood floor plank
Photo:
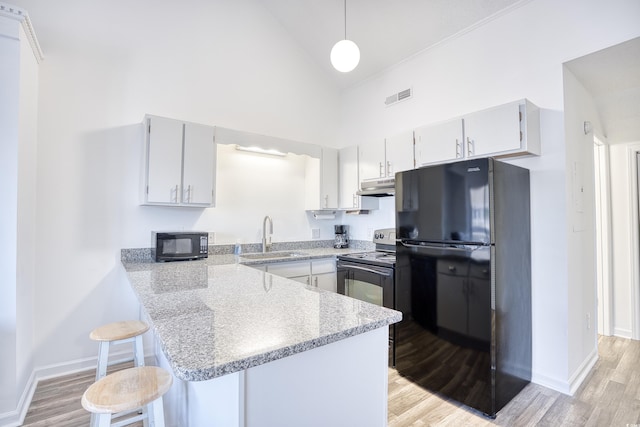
(610, 396)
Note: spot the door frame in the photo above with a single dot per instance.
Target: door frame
(604, 235)
(633, 152)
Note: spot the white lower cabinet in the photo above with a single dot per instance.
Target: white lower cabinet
(319, 273)
(323, 274)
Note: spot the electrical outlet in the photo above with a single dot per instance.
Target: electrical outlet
(315, 233)
(588, 321)
(212, 237)
(370, 233)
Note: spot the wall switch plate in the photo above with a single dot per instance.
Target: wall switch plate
(315, 233)
(212, 237)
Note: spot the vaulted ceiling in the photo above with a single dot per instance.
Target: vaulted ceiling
(612, 77)
(386, 31)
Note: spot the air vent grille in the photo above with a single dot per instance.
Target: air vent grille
(397, 97)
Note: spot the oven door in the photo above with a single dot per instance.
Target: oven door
(372, 284)
(368, 283)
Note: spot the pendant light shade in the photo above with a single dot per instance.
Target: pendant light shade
(345, 54)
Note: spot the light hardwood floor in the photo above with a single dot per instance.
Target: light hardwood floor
(610, 396)
(56, 401)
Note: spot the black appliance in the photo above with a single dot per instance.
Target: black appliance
(463, 281)
(370, 276)
(179, 245)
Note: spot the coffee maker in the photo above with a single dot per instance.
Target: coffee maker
(340, 240)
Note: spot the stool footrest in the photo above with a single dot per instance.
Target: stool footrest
(128, 421)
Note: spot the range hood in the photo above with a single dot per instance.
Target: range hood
(377, 187)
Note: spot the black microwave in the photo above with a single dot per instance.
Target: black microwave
(179, 245)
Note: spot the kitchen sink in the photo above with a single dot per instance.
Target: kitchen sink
(271, 255)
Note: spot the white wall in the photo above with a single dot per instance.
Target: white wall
(518, 55)
(9, 114)
(224, 63)
(580, 106)
(18, 148)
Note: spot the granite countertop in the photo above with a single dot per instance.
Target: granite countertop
(217, 316)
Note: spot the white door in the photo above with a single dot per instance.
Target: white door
(438, 143)
(199, 165)
(326, 281)
(492, 131)
(348, 177)
(399, 153)
(371, 160)
(329, 179)
(164, 160)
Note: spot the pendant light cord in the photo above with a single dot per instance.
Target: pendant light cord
(345, 19)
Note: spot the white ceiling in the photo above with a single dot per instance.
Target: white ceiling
(386, 31)
(612, 77)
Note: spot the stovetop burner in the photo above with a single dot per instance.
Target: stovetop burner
(384, 255)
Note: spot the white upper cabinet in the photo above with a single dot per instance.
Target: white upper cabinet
(321, 180)
(371, 160)
(510, 129)
(180, 163)
(440, 142)
(350, 182)
(199, 165)
(507, 130)
(385, 157)
(399, 153)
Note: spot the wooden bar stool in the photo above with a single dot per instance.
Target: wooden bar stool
(118, 333)
(125, 391)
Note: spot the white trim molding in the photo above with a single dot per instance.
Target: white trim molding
(15, 418)
(21, 15)
(634, 250)
(581, 373)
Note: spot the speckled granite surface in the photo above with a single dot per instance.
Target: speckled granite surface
(217, 316)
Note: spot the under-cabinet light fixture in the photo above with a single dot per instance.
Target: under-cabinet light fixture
(259, 150)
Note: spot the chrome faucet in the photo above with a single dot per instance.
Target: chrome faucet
(266, 243)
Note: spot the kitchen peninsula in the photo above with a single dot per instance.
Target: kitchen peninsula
(248, 348)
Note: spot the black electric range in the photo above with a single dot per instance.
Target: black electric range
(370, 276)
(384, 254)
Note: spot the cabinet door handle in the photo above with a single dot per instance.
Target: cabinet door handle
(381, 169)
(469, 147)
(355, 200)
(187, 194)
(175, 194)
(458, 149)
(389, 172)
(326, 200)
(315, 281)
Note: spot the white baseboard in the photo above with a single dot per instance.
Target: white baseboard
(552, 383)
(583, 370)
(15, 418)
(622, 333)
(568, 387)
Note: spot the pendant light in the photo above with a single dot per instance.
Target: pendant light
(345, 54)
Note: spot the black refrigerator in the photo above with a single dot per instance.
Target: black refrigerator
(463, 281)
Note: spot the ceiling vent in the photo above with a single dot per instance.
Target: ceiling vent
(397, 97)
